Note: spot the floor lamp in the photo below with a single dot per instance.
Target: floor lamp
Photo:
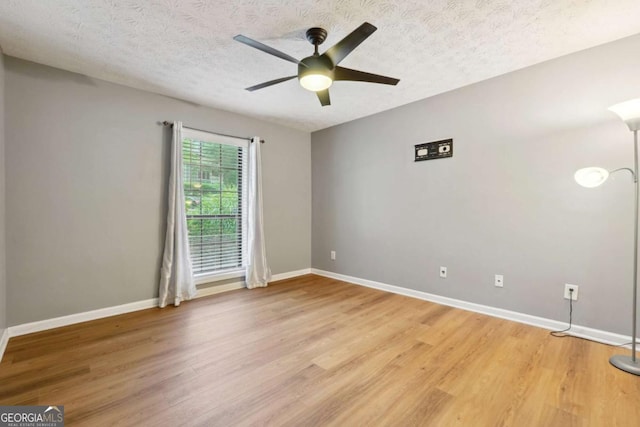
(591, 177)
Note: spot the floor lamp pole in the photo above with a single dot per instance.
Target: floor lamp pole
(626, 363)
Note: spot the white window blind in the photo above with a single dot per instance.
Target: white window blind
(214, 170)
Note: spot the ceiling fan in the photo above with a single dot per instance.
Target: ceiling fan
(317, 72)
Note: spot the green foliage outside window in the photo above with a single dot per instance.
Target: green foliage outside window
(212, 189)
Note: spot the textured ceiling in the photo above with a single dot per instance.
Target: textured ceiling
(184, 48)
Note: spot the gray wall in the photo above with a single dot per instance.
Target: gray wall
(3, 265)
(506, 203)
(87, 168)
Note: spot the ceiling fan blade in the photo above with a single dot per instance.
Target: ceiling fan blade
(265, 48)
(340, 50)
(341, 73)
(323, 96)
(270, 83)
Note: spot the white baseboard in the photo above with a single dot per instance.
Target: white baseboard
(579, 331)
(4, 340)
(43, 325)
(290, 274)
(541, 322)
(56, 322)
(216, 289)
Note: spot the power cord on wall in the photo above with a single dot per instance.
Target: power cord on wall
(563, 334)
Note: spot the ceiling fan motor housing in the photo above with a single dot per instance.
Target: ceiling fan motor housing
(315, 65)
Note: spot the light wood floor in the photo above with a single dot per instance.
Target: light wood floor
(314, 351)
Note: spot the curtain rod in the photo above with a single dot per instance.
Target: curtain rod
(166, 123)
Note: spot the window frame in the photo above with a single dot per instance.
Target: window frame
(208, 137)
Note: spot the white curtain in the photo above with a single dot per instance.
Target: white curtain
(176, 278)
(258, 273)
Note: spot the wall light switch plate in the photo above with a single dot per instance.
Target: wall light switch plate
(443, 272)
(333, 255)
(499, 282)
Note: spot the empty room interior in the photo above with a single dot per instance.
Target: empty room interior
(302, 213)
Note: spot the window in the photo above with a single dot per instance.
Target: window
(214, 168)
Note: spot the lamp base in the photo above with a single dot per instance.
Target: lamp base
(626, 364)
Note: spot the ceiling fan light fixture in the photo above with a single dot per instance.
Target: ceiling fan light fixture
(316, 80)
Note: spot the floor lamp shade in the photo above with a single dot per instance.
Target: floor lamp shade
(591, 177)
(629, 112)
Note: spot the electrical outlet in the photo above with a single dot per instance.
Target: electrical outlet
(499, 280)
(443, 272)
(571, 292)
(333, 255)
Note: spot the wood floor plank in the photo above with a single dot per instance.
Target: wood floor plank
(313, 351)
